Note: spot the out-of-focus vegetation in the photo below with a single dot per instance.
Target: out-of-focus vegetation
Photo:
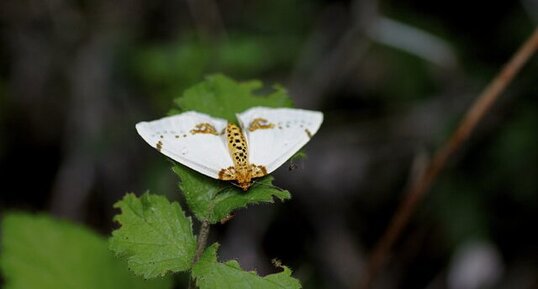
(39, 252)
(393, 79)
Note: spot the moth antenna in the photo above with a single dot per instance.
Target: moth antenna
(236, 185)
(257, 184)
(223, 190)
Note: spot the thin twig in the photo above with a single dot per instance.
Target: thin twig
(202, 242)
(422, 184)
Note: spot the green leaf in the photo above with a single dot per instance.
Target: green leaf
(210, 274)
(222, 97)
(39, 252)
(155, 235)
(214, 200)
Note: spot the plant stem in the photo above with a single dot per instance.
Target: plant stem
(201, 244)
(202, 240)
(423, 183)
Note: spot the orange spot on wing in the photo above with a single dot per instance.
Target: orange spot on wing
(204, 128)
(260, 123)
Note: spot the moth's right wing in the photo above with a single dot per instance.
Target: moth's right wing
(181, 138)
(275, 134)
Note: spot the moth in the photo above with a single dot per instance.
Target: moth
(264, 140)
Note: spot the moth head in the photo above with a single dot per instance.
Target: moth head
(244, 185)
(270, 186)
(243, 178)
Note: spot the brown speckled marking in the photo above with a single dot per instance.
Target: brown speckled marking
(308, 133)
(260, 123)
(204, 128)
(258, 171)
(242, 171)
(227, 174)
(159, 146)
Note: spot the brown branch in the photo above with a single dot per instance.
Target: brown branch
(202, 242)
(423, 183)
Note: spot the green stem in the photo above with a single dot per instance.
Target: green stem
(202, 242)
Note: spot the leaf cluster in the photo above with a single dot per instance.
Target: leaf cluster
(156, 236)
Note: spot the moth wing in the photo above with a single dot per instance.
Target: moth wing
(282, 133)
(174, 137)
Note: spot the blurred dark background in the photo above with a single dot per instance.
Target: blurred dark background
(392, 77)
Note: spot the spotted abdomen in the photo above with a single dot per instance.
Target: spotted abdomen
(237, 146)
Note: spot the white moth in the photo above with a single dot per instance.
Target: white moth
(266, 139)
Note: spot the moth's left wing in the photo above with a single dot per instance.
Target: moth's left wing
(192, 139)
(275, 134)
